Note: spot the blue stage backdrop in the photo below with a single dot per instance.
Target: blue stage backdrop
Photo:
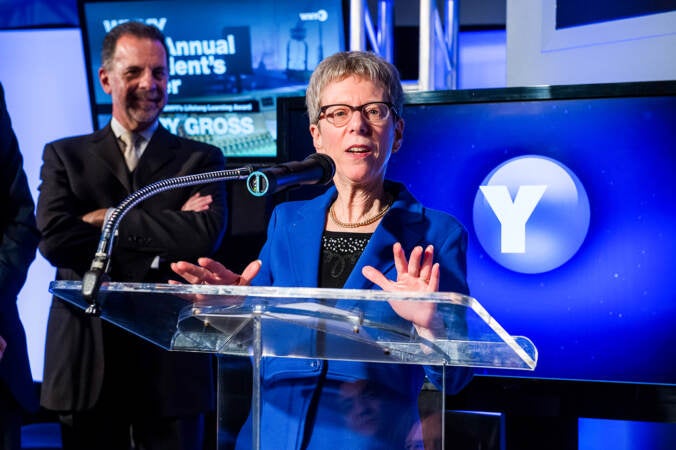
(567, 193)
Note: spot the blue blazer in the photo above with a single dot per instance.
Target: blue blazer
(290, 258)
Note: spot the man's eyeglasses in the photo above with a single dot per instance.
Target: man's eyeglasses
(339, 115)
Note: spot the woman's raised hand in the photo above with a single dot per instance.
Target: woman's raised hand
(418, 273)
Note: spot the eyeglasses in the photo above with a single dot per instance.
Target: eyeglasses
(339, 115)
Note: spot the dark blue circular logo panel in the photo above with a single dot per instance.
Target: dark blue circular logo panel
(531, 214)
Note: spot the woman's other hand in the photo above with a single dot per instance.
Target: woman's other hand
(209, 271)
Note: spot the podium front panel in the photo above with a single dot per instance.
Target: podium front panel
(340, 324)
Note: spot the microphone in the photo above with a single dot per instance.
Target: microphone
(315, 169)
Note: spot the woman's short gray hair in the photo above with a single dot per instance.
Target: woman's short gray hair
(341, 65)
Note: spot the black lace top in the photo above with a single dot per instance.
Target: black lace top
(340, 252)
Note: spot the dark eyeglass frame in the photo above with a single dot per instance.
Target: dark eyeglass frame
(361, 109)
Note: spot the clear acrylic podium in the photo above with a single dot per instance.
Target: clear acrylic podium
(260, 322)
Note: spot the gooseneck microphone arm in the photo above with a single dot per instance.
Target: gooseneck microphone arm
(92, 279)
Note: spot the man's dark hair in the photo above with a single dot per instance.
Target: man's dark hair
(136, 29)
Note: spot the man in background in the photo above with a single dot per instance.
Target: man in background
(111, 389)
(18, 240)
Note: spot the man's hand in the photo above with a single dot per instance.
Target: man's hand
(95, 218)
(197, 203)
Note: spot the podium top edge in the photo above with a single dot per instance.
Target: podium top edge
(271, 292)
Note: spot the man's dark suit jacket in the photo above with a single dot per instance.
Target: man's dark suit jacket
(85, 173)
(18, 240)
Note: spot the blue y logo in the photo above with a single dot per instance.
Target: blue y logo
(531, 214)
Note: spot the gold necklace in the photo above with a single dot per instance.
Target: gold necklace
(363, 223)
